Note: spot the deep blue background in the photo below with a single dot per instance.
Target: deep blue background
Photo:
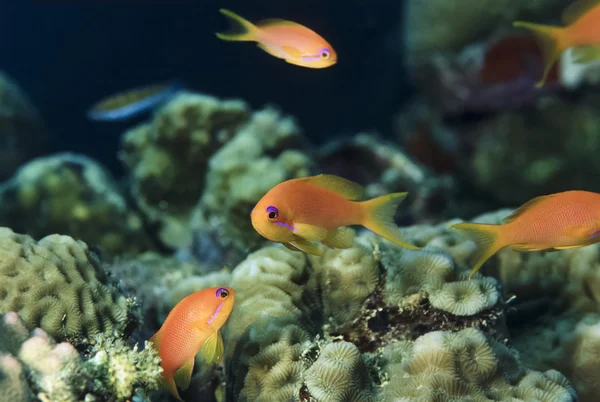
(68, 54)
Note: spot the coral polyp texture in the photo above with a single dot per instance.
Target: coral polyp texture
(60, 286)
(33, 367)
(72, 194)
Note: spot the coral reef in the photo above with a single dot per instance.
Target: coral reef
(168, 157)
(22, 135)
(111, 370)
(60, 286)
(265, 152)
(465, 366)
(71, 194)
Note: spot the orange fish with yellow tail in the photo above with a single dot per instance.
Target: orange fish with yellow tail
(550, 222)
(191, 326)
(300, 212)
(582, 33)
(283, 39)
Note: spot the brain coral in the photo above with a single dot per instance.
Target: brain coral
(465, 366)
(71, 194)
(59, 285)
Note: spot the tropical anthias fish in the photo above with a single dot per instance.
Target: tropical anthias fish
(560, 221)
(302, 211)
(283, 39)
(191, 326)
(131, 103)
(582, 33)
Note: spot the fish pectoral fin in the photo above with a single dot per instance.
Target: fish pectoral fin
(267, 49)
(340, 238)
(291, 247)
(310, 232)
(526, 247)
(585, 54)
(183, 375)
(292, 51)
(306, 246)
(213, 348)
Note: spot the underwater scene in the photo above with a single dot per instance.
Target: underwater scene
(300, 201)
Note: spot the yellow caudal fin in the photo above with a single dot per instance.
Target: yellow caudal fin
(243, 30)
(487, 238)
(379, 218)
(550, 40)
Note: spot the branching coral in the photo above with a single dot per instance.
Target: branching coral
(59, 285)
(73, 195)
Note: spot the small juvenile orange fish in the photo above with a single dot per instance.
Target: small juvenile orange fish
(301, 211)
(560, 221)
(283, 39)
(582, 32)
(193, 324)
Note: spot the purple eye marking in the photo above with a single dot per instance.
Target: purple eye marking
(272, 209)
(323, 54)
(285, 225)
(594, 235)
(221, 294)
(272, 213)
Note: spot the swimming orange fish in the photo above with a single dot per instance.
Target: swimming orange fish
(301, 211)
(557, 221)
(193, 324)
(582, 31)
(286, 40)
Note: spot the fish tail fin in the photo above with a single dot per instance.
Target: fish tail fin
(488, 238)
(243, 30)
(379, 218)
(552, 41)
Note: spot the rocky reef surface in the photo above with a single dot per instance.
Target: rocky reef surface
(90, 266)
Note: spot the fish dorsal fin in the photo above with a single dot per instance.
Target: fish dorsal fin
(578, 10)
(276, 22)
(525, 207)
(338, 185)
(183, 375)
(213, 348)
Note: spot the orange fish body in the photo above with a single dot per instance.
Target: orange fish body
(193, 324)
(283, 39)
(301, 211)
(560, 221)
(582, 33)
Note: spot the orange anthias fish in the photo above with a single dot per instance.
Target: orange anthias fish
(301, 211)
(193, 324)
(582, 32)
(560, 221)
(286, 40)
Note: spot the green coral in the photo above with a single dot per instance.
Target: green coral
(265, 152)
(71, 194)
(168, 157)
(59, 285)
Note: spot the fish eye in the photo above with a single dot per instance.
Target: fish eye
(325, 53)
(272, 213)
(222, 293)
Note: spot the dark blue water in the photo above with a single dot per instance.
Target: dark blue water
(68, 54)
